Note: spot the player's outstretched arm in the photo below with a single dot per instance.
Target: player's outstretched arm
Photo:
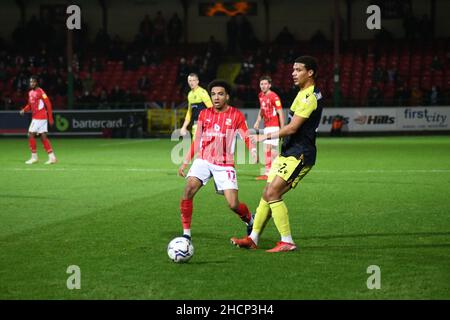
(287, 130)
(187, 120)
(258, 119)
(281, 118)
(243, 132)
(25, 109)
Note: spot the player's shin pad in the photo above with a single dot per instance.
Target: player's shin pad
(280, 217)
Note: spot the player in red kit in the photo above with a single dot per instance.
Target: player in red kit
(272, 113)
(214, 142)
(41, 108)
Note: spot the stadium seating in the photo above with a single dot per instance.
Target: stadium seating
(412, 62)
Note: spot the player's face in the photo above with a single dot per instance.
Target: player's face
(264, 85)
(219, 97)
(300, 75)
(193, 82)
(33, 83)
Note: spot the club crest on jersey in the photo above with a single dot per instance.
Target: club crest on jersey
(228, 122)
(216, 127)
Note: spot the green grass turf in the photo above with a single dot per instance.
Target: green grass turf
(111, 207)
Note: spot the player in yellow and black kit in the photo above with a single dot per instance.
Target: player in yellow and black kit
(198, 99)
(297, 157)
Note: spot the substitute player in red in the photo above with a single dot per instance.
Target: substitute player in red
(272, 113)
(41, 108)
(214, 142)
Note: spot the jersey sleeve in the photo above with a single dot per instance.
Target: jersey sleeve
(277, 102)
(206, 99)
(48, 105)
(305, 108)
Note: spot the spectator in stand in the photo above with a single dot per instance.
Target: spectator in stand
(378, 75)
(127, 97)
(77, 84)
(143, 83)
(268, 67)
(139, 97)
(374, 96)
(436, 64)
(392, 75)
(60, 88)
(435, 96)
(174, 29)
(130, 63)
(95, 65)
(21, 82)
(88, 83)
(416, 98)
(146, 29)
(87, 99)
(61, 63)
(103, 99)
(401, 94)
(116, 95)
(285, 37)
(289, 56)
(160, 28)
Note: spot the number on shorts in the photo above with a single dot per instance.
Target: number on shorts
(231, 175)
(283, 166)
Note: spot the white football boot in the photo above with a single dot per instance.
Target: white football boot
(51, 159)
(33, 160)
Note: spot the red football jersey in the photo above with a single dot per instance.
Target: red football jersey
(269, 104)
(216, 135)
(39, 104)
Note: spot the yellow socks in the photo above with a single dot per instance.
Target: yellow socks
(261, 217)
(281, 218)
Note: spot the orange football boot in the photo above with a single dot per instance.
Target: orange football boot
(283, 247)
(246, 242)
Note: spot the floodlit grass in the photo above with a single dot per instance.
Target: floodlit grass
(112, 206)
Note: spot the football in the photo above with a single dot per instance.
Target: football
(180, 249)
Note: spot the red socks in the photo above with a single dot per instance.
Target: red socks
(47, 145)
(269, 156)
(32, 143)
(244, 213)
(186, 213)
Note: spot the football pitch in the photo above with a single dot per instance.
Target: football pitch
(111, 207)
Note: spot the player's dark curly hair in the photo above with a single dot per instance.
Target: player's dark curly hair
(309, 62)
(220, 83)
